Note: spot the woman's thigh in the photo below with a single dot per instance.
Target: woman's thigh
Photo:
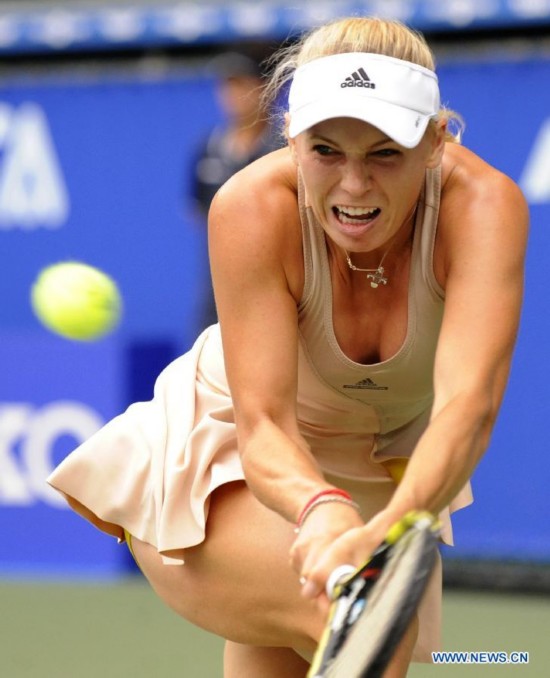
(238, 583)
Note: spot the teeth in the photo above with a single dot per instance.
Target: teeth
(356, 211)
(353, 215)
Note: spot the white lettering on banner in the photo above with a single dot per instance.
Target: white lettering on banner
(535, 180)
(32, 189)
(34, 432)
(13, 484)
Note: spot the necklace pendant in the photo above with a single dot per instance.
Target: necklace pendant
(377, 278)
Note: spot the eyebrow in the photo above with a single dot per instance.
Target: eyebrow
(321, 137)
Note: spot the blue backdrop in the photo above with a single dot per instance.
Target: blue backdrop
(96, 169)
(507, 109)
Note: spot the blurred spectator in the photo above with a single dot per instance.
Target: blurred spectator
(243, 136)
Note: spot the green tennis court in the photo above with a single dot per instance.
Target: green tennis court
(121, 630)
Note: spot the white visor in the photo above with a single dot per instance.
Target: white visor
(397, 97)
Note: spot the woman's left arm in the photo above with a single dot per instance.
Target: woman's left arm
(479, 261)
(481, 251)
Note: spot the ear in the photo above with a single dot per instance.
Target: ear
(436, 136)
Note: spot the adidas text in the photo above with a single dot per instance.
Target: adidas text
(358, 83)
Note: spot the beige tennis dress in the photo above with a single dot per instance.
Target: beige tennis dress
(152, 469)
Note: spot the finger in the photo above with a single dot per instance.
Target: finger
(319, 566)
(311, 589)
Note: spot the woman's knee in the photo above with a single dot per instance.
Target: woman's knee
(262, 662)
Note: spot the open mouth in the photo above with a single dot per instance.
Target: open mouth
(357, 216)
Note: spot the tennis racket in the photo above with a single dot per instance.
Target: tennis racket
(372, 606)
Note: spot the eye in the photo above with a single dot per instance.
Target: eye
(386, 153)
(323, 150)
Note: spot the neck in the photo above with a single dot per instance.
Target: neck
(392, 248)
(377, 274)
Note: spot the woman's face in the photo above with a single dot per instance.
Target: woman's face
(361, 185)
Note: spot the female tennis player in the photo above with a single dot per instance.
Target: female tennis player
(368, 280)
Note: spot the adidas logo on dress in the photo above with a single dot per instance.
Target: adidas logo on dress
(367, 384)
(358, 78)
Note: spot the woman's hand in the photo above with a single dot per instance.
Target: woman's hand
(333, 535)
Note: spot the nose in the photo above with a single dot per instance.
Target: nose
(356, 177)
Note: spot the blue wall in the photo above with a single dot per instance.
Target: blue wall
(96, 169)
(507, 109)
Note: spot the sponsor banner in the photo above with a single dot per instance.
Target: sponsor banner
(93, 170)
(54, 395)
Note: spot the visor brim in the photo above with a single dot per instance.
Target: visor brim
(406, 127)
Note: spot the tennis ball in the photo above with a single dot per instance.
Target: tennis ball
(76, 301)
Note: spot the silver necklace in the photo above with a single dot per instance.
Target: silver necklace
(375, 275)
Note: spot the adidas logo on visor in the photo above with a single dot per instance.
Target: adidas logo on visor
(358, 78)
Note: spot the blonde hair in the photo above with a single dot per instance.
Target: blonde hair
(357, 34)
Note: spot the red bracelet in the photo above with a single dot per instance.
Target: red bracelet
(334, 491)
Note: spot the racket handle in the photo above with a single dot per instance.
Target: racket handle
(336, 576)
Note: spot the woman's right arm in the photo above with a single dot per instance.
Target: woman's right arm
(253, 238)
(257, 270)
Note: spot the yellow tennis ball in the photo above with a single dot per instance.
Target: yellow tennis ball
(77, 301)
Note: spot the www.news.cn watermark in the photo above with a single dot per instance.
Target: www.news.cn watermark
(483, 657)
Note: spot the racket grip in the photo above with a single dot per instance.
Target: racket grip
(336, 576)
